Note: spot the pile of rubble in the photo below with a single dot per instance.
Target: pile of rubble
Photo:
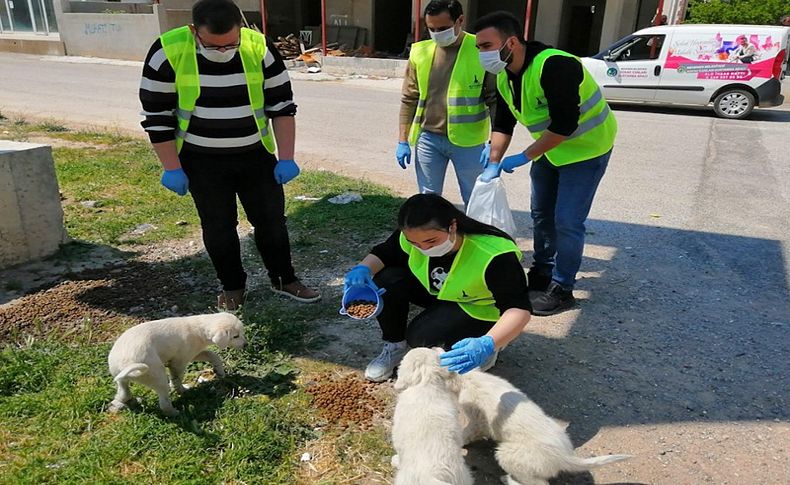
(290, 47)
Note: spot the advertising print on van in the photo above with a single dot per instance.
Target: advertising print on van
(735, 67)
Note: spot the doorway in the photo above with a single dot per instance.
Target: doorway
(581, 26)
(391, 25)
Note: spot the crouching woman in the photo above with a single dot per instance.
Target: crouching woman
(466, 276)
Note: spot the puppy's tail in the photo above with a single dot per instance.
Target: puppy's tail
(131, 371)
(579, 464)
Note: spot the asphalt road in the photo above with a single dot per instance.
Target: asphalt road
(678, 350)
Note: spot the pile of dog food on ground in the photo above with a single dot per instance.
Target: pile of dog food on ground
(346, 400)
(361, 308)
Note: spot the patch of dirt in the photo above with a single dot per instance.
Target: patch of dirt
(101, 300)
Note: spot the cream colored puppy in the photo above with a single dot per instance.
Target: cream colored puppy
(141, 353)
(426, 431)
(532, 446)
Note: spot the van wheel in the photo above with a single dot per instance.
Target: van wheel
(734, 104)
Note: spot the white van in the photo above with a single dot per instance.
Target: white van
(735, 67)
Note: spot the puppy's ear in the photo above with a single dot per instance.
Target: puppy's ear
(221, 338)
(406, 374)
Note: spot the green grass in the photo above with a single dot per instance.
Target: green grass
(247, 428)
(50, 127)
(53, 428)
(122, 175)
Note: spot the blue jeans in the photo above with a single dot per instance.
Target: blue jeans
(561, 201)
(433, 151)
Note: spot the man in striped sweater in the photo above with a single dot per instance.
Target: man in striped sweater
(212, 93)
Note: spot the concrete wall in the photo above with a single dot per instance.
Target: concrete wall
(547, 27)
(347, 66)
(619, 19)
(101, 7)
(29, 44)
(115, 36)
(31, 217)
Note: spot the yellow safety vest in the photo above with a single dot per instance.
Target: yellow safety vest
(466, 282)
(181, 51)
(597, 125)
(468, 121)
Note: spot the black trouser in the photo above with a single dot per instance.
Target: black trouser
(441, 324)
(214, 182)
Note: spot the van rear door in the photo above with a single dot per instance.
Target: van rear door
(632, 67)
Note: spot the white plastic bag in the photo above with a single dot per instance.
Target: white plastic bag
(488, 204)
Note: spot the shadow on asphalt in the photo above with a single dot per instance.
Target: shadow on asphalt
(680, 326)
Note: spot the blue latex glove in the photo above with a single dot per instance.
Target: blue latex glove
(285, 171)
(468, 354)
(485, 156)
(176, 180)
(513, 161)
(403, 154)
(360, 275)
(490, 172)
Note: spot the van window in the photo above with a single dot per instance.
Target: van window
(639, 48)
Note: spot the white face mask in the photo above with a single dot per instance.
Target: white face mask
(492, 60)
(440, 249)
(444, 38)
(214, 55)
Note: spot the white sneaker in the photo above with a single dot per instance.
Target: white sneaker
(380, 369)
(491, 362)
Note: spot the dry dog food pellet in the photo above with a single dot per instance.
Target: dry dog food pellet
(345, 400)
(361, 308)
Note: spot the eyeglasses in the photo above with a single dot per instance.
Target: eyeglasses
(217, 47)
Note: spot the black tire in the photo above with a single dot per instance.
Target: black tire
(734, 104)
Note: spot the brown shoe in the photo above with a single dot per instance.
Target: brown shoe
(231, 300)
(298, 292)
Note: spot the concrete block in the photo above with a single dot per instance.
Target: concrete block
(31, 217)
(28, 44)
(346, 66)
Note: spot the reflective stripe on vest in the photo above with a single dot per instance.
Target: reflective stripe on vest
(181, 52)
(468, 122)
(597, 126)
(465, 283)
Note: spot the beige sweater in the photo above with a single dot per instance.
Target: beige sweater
(435, 119)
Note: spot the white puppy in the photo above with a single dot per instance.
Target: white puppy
(532, 446)
(141, 353)
(426, 430)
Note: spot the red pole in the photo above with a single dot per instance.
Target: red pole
(417, 16)
(263, 16)
(528, 19)
(323, 27)
(659, 13)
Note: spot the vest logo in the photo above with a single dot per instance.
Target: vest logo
(464, 295)
(476, 83)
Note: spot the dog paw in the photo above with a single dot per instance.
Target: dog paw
(170, 412)
(395, 461)
(116, 407)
